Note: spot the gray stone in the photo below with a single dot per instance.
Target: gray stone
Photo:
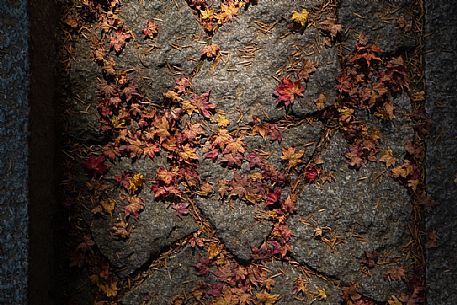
(80, 94)
(236, 226)
(177, 44)
(245, 89)
(378, 20)
(362, 203)
(441, 167)
(176, 277)
(303, 137)
(157, 228)
(285, 276)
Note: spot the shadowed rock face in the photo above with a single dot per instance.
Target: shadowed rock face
(358, 211)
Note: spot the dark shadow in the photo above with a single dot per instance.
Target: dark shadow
(42, 55)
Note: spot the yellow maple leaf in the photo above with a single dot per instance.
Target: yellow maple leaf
(172, 95)
(265, 298)
(188, 153)
(321, 294)
(403, 170)
(206, 14)
(135, 183)
(222, 121)
(300, 17)
(189, 107)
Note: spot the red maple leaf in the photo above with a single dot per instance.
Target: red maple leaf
(311, 173)
(273, 196)
(95, 166)
(118, 40)
(180, 208)
(287, 91)
(202, 103)
(151, 29)
(202, 266)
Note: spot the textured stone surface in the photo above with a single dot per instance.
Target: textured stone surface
(285, 277)
(177, 277)
(175, 51)
(243, 86)
(378, 20)
(156, 229)
(361, 210)
(357, 204)
(441, 168)
(14, 105)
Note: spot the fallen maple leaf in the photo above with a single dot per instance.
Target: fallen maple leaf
(264, 298)
(289, 205)
(388, 158)
(108, 205)
(211, 51)
(180, 208)
(330, 26)
(292, 156)
(134, 207)
(151, 29)
(118, 40)
(432, 239)
(403, 170)
(201, 102)
(120, 229)
(273, 196)
(320, 102)
(287, 91)
(95, 166)
(300, 17)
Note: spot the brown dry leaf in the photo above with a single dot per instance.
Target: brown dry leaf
(413, 184)
(394, 301)
(432, 239)
(403, 170)
(108, 206)
(320, 102)
(264, 298)
(172, 95)
(395, 274)
(120, 229)
(418, 97)
(330, 26)
(292, 156)
(388, 158)
(213, 250)
(205, 189)
(389, 108)
(309, 67)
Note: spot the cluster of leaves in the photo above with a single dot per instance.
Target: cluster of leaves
(212, 19)
(232, 283)
(368, 82)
